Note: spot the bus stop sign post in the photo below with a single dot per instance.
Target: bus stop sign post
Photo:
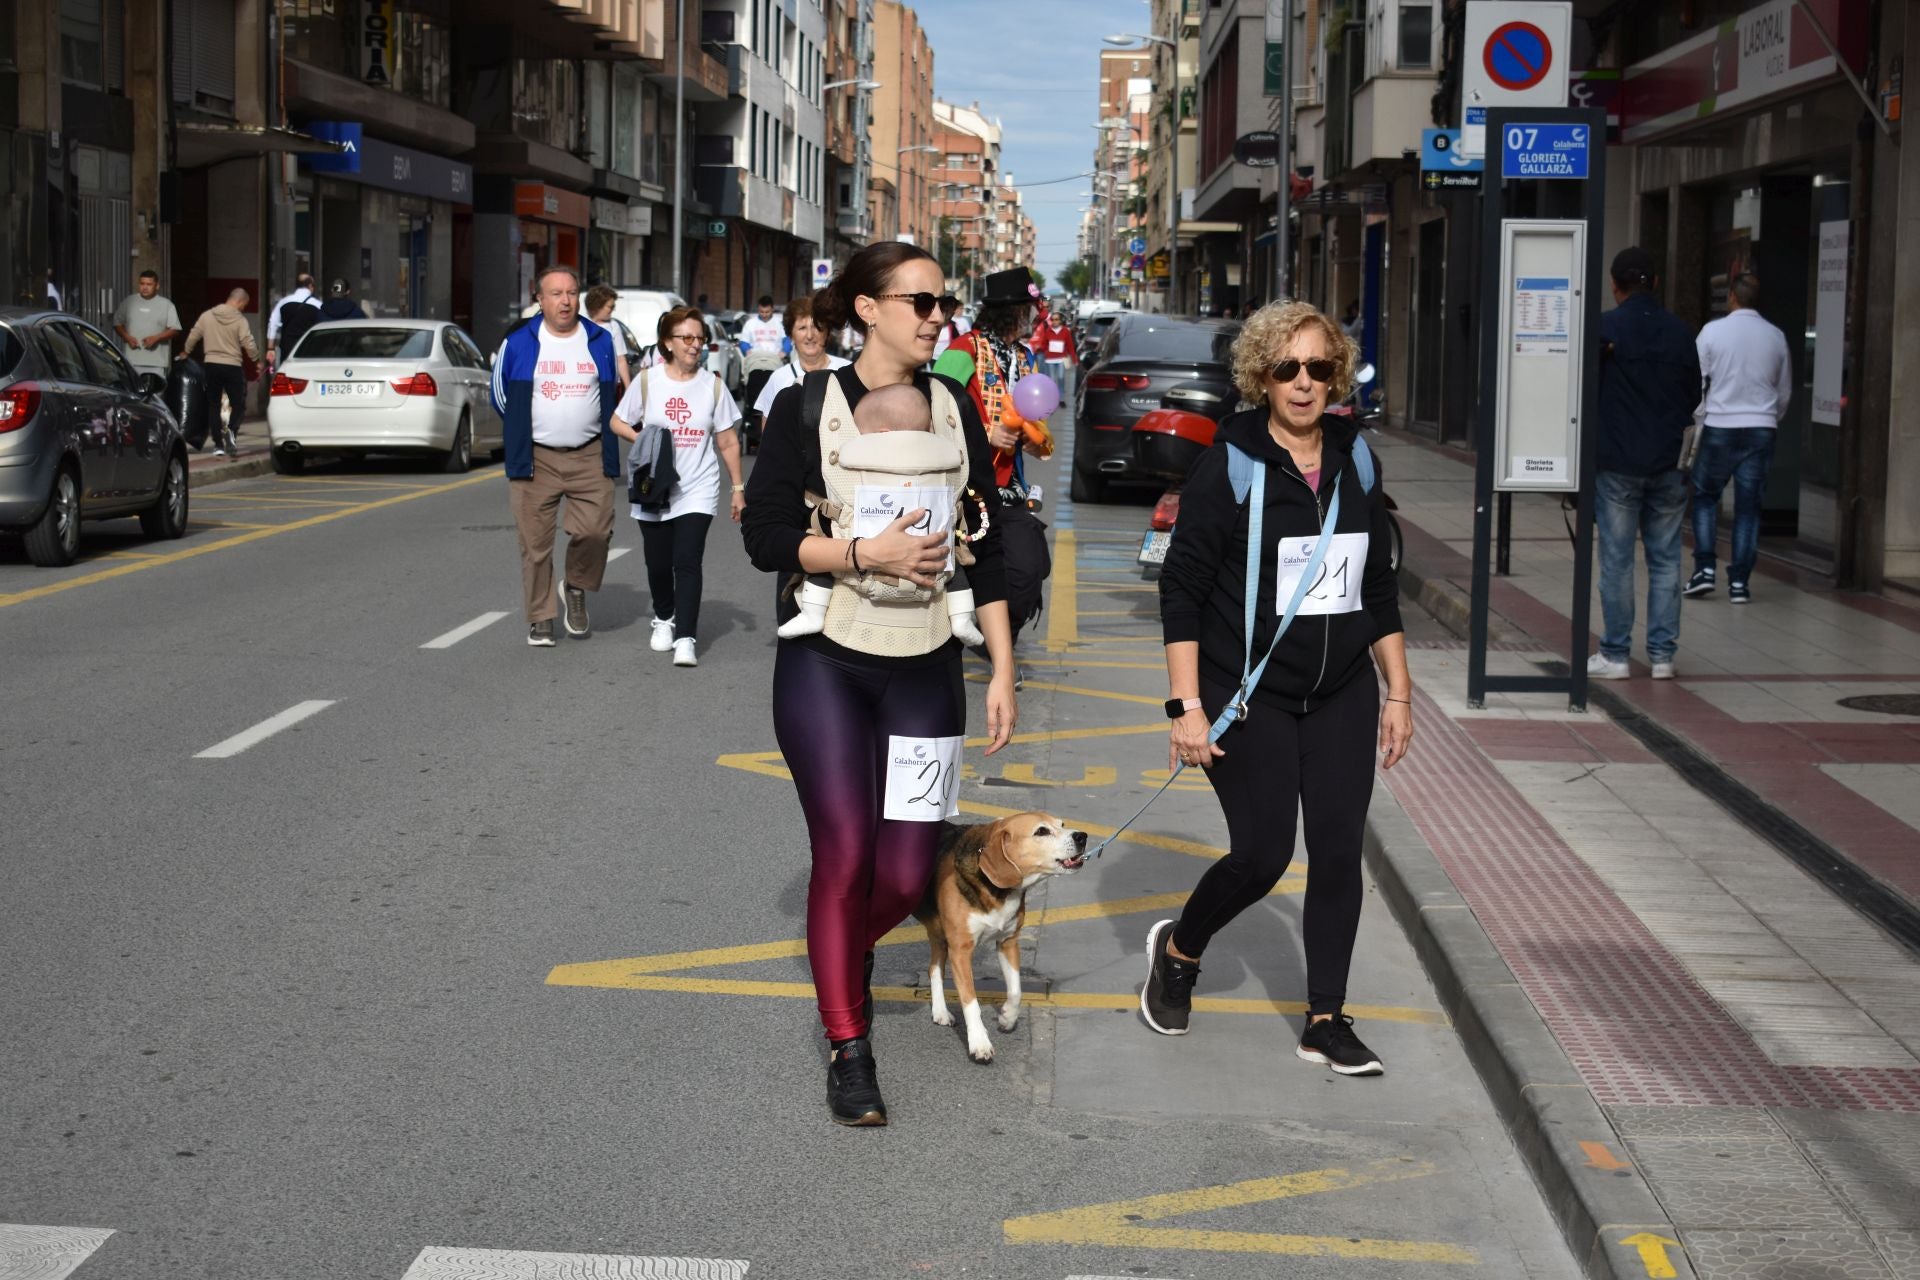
(1539, 356)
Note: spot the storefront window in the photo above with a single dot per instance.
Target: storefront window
(546, 101)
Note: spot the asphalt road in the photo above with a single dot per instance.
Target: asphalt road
(408, 980)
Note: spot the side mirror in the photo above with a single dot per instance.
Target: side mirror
(152, 385)
(1363, 375)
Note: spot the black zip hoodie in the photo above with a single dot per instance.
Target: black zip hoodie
(1203, 583)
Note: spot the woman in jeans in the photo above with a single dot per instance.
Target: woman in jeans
(840, 696)
(1307, 740)
(683, 397)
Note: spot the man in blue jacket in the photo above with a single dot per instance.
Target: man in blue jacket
(553, 383)
(1649, 385)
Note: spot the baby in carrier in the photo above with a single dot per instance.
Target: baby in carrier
(896, 447)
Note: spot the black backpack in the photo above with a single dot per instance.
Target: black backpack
(295, 319)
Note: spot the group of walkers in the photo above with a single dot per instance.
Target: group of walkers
(1680, 417)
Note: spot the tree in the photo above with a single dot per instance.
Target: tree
(1077, 276)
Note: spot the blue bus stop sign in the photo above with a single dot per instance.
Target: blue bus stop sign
(1545, 150)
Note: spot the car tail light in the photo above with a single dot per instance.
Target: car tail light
(420, 384)
(713, 346)
(285, 386)
(1108, 426)
(1119, 382)
(18, 404)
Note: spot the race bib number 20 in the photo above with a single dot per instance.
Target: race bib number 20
(1336, 583)
(923, 779)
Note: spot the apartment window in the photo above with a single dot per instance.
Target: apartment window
(1416, 35)
(90, 44)
(202, 63)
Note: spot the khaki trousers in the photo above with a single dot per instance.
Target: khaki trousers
(573, 474)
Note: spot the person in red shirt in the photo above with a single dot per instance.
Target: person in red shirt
(1053, 344)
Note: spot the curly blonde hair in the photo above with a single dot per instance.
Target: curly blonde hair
(1268, 333)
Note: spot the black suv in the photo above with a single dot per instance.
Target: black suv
(1145, 360)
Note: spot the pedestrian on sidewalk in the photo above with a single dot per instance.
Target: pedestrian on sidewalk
(599, 303)
(809, 353)
(1307, 740)
(291, 317)
(1649, 385)
(147, 324)
(340, 304)
(841, 696)
(1053, 344)
(692, 404)
(224, 335)
(1749, 388)
(553, 384)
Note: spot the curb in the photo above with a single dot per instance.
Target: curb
(1546, 1107)
(232, 469)
(1449, 605)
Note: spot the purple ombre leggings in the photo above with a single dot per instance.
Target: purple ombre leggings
(832, 717)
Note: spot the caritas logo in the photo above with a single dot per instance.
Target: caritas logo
(550, 389)
(678, 412)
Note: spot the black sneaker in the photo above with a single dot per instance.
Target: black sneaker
(853, 1086)
(1700, 584)
(573, 602)
(1737, 593)
(540, 634)
(1332, 1043)
(1166, 999)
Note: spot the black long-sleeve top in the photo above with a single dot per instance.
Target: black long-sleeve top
(1203, 583)
(775, 522)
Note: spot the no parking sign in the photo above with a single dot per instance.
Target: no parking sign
(1518, 52)
(822, 272)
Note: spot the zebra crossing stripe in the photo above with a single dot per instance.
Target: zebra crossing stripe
(435, 1263)
(46, 1253)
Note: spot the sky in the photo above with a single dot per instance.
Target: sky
(1035, 65)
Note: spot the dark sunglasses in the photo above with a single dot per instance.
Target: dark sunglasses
(923, 303)
(1318, 370)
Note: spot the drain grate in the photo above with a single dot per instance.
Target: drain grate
(1886, 704)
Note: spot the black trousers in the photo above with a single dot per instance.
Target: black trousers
(1277, 764)
(674, 549)
(226, 382)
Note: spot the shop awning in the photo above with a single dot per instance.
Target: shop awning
(198, 144)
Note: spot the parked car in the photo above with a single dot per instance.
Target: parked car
(1146, 362)
(723, 352)
(82, 437)
(355, 387)
(1093, 330)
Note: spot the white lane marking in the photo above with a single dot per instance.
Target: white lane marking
(46, 1253)
(265, 729)
(464, 630)
(616, 553)
(436, 1263)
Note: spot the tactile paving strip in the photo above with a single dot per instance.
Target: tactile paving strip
(1637, 1026)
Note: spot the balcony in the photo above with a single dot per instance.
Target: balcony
(592, 28)
(732, 192)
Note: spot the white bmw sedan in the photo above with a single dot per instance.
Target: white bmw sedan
(355, 387)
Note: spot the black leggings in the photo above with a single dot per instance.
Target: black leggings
(832, 717)
(226, 384)
(1277, 764)
(674, 549)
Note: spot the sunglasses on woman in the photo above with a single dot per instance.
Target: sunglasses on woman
(1318, 370)
(923, 303)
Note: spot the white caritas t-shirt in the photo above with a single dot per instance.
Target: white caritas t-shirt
(695, 411)
(566, 391)
(764, 337)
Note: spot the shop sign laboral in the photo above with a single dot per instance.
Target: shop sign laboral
(1768, 49)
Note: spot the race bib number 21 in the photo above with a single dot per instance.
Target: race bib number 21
(923, 779)
(1336, 583)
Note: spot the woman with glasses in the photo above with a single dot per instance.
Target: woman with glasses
(809, 353)
(681, 396)
(858, 707)
(1307, 739)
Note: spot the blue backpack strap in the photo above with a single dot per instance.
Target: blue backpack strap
(1363, 462)
(1242, 467)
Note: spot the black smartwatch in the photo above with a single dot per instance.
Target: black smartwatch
(1177, 707)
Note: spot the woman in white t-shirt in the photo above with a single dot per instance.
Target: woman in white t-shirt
(682, 396)
(809, 355)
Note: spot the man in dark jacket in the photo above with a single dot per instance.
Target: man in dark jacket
(340, 304)
(1649, 386)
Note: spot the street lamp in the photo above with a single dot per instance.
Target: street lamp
(1173, 161)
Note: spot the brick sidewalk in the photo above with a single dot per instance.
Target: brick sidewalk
(1755, 1042)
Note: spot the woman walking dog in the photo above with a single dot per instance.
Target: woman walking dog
(1306, 734)
(869, 713)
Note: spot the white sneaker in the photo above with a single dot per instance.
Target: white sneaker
(1601, 667)
(683, 653)
(662, 638)
(1663, 670)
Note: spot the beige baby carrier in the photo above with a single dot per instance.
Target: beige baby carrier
(877, 614)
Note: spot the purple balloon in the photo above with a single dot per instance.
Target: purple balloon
(1036, 396)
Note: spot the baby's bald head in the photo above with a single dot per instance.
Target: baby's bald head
(899, 407)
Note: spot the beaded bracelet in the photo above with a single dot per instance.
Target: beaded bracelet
(986, 521)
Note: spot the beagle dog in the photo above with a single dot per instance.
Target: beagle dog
(979, 890)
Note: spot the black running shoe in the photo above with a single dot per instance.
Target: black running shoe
(853, 1086)
(1332, 1043)
(1166, 999)
(1700, 584)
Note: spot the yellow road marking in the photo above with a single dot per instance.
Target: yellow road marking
(1093, 775)
(229, 524)
(253, 535)
(346, 482)
(1063, 605)
(275, 499)
(1086, 693)
(1116, 1223)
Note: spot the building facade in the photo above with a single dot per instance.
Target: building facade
(900, 201)
(849, 112)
